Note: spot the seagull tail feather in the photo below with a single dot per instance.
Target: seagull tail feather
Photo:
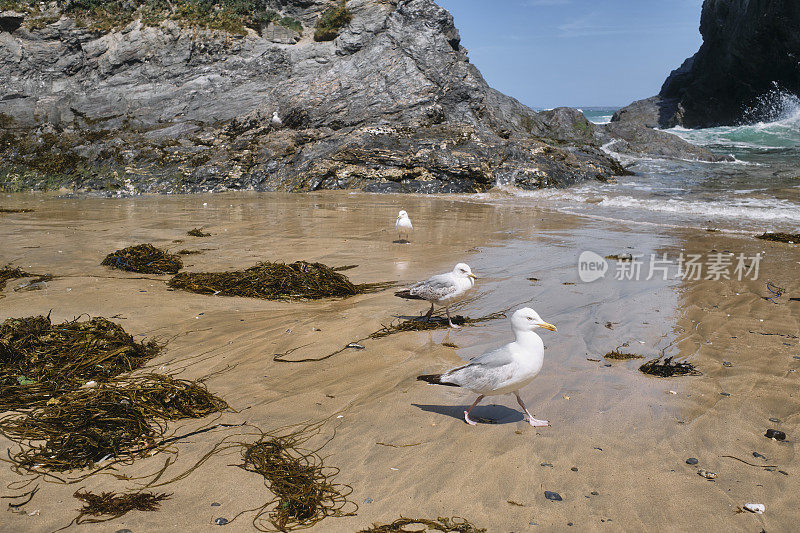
(435, 379)
(406, 293)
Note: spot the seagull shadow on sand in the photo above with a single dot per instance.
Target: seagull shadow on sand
(483, 414)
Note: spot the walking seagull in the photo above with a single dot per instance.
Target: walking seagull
(403, 225)
(505, 370)
(442, 289)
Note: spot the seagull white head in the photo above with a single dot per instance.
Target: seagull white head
(402, 214)
(463, 270)
(526, 319)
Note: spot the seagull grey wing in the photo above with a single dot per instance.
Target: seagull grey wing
(486, 372)
(435, 288)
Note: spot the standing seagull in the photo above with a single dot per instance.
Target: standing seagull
(442, 289)
(504, 370)
(403, 225)
(276, 120)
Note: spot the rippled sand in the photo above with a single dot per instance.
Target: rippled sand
(626, 434)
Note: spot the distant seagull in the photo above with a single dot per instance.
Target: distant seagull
(403, 225)
(276, 120)
(442, 289)
(505, 370)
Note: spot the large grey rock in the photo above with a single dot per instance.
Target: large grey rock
(393, 103)
(750, 55)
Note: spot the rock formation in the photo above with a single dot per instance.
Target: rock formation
(750, 55)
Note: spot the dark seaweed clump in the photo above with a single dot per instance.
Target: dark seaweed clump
(40, 360)
(304, 491)
(793, 238)
(667, 368)
(197, 232)
(274, 281)
(448, 525)
(9, 273)
(9, 210)
(435, 322)
(145, 259)
(119, 420)
(110, 505)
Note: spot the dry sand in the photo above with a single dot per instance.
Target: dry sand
(624, 432)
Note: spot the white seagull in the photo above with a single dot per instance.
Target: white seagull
(276, 120)
(505, 370)
(442, 289)
(403, 225)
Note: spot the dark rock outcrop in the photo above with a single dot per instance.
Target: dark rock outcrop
(392, 104)
(749, 57)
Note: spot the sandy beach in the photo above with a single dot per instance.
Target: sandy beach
(617, 447)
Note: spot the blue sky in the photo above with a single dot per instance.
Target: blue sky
(549, 53)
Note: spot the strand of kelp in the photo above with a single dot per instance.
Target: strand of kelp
(304, 491)
(120, 420)
(448, 525)
(8, 273)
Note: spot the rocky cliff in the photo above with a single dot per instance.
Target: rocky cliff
(750, 55)
(391, 104)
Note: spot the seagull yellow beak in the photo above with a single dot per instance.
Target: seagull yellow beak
(473, 276)
(545, 325)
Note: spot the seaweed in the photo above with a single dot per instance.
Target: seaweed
(190, 252)
(620, 257)
(9, 273)
(667, 368)
(455, 524)
(616, 355)
(197, 232)
(110, 505)
(304, 493)
(790, 238)
(435, 322)
(120, 420)
(40, 360)
(9, 210)
(275, 281)
(145, 259)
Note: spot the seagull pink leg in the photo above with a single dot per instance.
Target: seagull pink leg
(467, 419)
(450, 320)
(534, 422)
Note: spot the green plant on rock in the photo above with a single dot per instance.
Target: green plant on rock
(332, 20)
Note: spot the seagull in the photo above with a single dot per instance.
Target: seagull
(276, 120)
(505, 370)
(403, 225)
(442, 289)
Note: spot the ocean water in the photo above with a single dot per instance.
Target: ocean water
(758, 191)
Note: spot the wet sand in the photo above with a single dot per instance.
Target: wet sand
(626, 434)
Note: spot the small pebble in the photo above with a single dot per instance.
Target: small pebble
(725, 393)
(727, 363)
(545, 464)
(706, 474)
(554, 496)
(775, 434)
(569, 523)
(574, 468)
(221, 521)
(215, 504)
(594, 493)
(368, 500)
(356, 346)
(692, 461)
(775, 420)
(757, 508)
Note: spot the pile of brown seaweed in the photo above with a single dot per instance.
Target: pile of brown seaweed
(110, 505)
(40, 360)
(119, 420)
(791, 238)
(145, 259)
(10, 210)
(197, 232)
(303, 488)
(448, 525)
(8, 273)
(275, 281)
(435, 322)
(667, 368)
